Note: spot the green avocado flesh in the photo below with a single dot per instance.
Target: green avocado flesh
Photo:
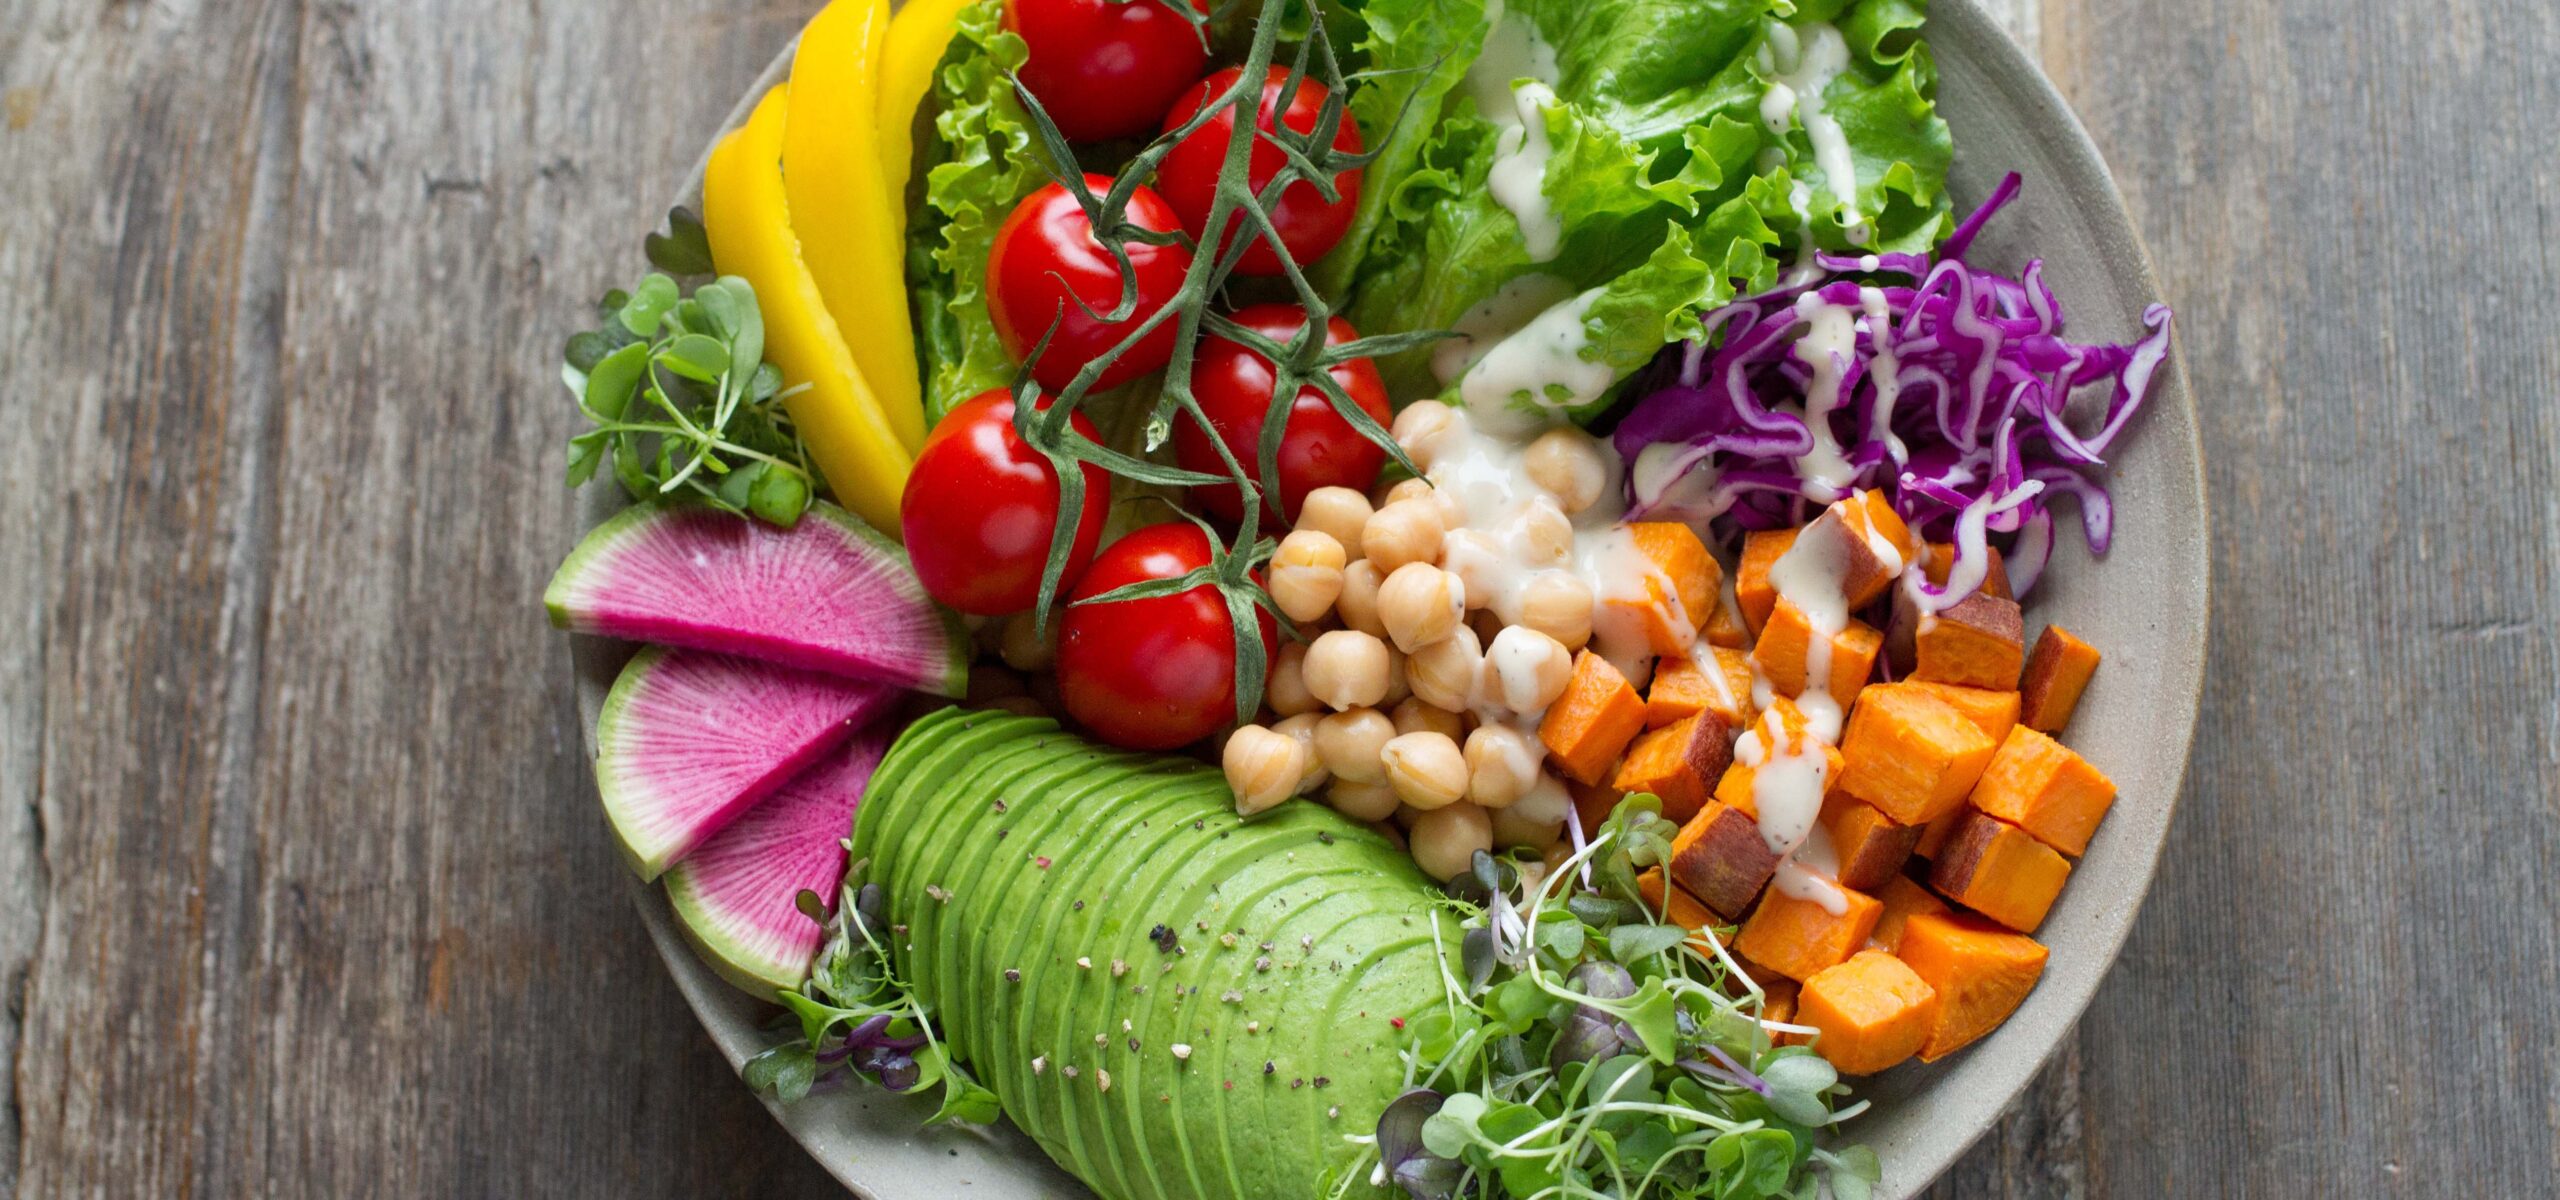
(1024, 862)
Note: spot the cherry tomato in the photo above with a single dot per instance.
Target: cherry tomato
(1189, 175)
(1317, 447)
(1156, 673)
(981, 506)
(1046, 259)
(1105, 68)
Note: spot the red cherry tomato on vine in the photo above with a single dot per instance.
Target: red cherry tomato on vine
(981, 505)
(1189, 175)
(1317, 447)
(1156, 673)
(1046, 259)
(1105, 68)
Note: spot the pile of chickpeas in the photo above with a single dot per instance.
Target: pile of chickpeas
(1414, 700)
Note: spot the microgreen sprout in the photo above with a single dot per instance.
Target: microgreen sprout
(680, 397)
(1584, 1048)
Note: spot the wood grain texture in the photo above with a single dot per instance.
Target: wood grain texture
(300, 892)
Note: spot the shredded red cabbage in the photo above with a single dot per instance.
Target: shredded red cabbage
(1951, 400)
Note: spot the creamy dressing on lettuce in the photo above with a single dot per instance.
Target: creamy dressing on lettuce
(1518, 180)
(1802, 63)
(1539, 374)
(1494, 319)
(1513, 51)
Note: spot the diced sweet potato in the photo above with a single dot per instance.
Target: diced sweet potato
(1995, 713)
(1679, 594)
(1871, 513)
(1719, 857)
(1786, 643)
(1592, 722)
(1593, 802)
(1872, 846)
(2045, 788)
(2000, 871)
(1685, 687)
(1910, 754)
(1677, 907)
(1752, 590)
(1979, 642)
(1679, 762)
(1798, 938)
(2057, 670)
(1933, 836)
(1724, 624)
(1903, 898)
(1942, 559)
(1873, 1011)
(1736, 787)
(1980, 971)
(1868, 562)
(1778, 997)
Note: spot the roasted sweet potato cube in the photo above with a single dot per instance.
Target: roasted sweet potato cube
(1979, 642)
(1798, 938)
(2000, 871)
(1752, 590)
(1867, 562)
(1719, 857)
(2045, 788)
(1737, 786)
(1718, 682)
(1724, 625)
(1778, 998)
(1677, 596)
(1677, 907)
(1995, 713)
(1871, 846)
(1933, 836)
(1872, 1011)
(2057, 670)
(1679, 762)
(1980, 971)
(1595, 718)
(1903, 898)
(1593, 802)
(1942, 559)
(1786, 645)
(1910, 754)
(1871, 514)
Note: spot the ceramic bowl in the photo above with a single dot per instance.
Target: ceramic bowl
(2145, 606)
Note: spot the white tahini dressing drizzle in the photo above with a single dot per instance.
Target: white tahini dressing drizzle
(1518, 179)
(1513, 51)
(1544, 365)
(1494, 318)
(1803, 62)
(1827, 347)
(1790, 773)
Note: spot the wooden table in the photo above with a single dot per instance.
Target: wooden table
(301, 893)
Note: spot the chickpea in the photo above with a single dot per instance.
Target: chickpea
(1406, 531)
(1445, 840)
(1558, 604)
(1306, 574)
(1346, 669)
(1414, 716)
(1263, 767)
(1352, 742)
(1476, 559)
(1424, 429)
(1359, 602)
(1512, 827)
(1398, 687)
(1402, 489)
(1362, 801)
(1544, 534)
(1426, 769)
(1302, 729)
(1285, 689)
(1568, 464)
(1526, 670)
(1444, 674)
(1023, 647)
(1420, 604)
(1502, 765)
(1337, 512)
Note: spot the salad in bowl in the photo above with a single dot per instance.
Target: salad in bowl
(1402, 597)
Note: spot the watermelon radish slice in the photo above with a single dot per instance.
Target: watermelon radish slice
(688, 741)
(736, 896)
(828, 594)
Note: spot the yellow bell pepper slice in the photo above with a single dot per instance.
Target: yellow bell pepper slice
(840, 201)
(918, 37)
(748, 216)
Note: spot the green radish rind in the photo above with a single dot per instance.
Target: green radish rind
(992, 934)
(939, 663)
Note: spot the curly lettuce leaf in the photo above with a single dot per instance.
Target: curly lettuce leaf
(982, 164)
(1625, 321)
(1410, 53)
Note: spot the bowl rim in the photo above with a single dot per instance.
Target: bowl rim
(2025, 88)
